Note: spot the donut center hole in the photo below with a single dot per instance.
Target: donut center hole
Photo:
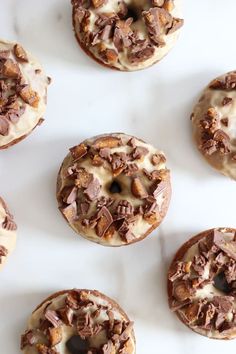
(220, 283)
(115, 187)
(133, 12)
(77, 345)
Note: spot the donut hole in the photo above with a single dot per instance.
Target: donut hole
(133, 12)
(77, 345)
(115, 187)
(220, 283)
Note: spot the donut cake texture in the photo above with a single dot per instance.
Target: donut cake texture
(126, 35)
(78, 321)
(114, 189)
(23, 93)
(214, 124)
(202, 283)
(7, 233)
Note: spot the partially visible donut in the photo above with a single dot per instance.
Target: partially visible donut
(78, 322)
(23, 93)
(7, 233)
(202, 283)
(214, 124)
(126, 34)
(114, 189)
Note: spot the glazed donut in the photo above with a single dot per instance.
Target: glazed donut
(23, 93)
(202, 283)
(7, 233)
(214, 124)
(114, 189)
(126, 35)
(78, 322)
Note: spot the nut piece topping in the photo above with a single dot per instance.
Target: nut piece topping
(29, 96)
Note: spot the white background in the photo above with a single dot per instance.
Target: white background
(84, 100)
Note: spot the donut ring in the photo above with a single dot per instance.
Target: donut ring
(7, 233)
(78, 321)
(114, 189)
(214, 121)
(202, 283)
(23, 92)
(126, 35)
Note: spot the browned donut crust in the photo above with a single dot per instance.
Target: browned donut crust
(158, 17)
(202, 281)
(119, 218)
(120, 337)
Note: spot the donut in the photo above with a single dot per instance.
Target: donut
(213, 120)
(23, 93)
(202, 283)
(114, 189)
(7, 233)
(78, 322)
(126, 35)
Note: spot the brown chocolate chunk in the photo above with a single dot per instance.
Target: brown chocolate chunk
(84, 325)
(72, 300)
(20, 53)
(206, 316)
(43, 349)
(157, 19)
(158, 159)
(83, 178)
(70, 212)
(157, 188)
(3, 252)
(66, 314)
(4, 126)
(93, 189)
(225, 121)
(228, 83)
(98, 3)
(138, 189)
(107, 142)
(28, 338)
(125, 232)
(158, 3)
(124, 209)
(10, 69)
(84, 208)
(69, 194)
(223, 303)
(179, 270)
(9, 224)
(176, 25)
(122, 34)
(104, 221)
(78, 151)
(53, 318)
(226, 101)
(141, 51)
(191, 312)
(29, 96)
(55, 335)
(199, 263)
(4, 54)
(131, 169)
(229, 247)
(139, 152)
(181, 291)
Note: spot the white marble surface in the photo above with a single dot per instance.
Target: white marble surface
(84, 100)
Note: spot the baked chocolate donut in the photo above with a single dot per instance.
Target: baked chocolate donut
(23, 93)
(214, 119)
(7, 233)
(202, 283)
(78, 322)
(114, 189)
(126, 34)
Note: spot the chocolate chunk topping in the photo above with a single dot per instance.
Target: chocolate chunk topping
(176, 25)
(55, 335)
(228, 83)
(20, 53)
(226, 101)
(70, 212)
(69, 194)
(104, 221)
(10, 70)
(138, 189)
(4, 126)
(139, 152)
(93, 189)
(28, 338)
(29, 96)
(229, 247)
(225, 121)
(66, 314)
(77, 345)
(108, 348)
(9, 224)
(43, 349)
(107, 142)
(157, 188)
(142, 50)
(3, 252)
(78, 151)
(122, 34)
(157, 19)
(53, 318)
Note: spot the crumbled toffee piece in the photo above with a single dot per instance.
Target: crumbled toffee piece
(108, 200)
(213, 264)
(90, 319)
(126, 39)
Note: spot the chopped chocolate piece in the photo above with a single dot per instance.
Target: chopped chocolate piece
(225, 121)
(158, 3)
(206, 315)
(4, 126)
(229, 247)
(108, 348)
(28, 338)
(83, 178)
(72, 300)
(69, 194)
(226, 101)
(124, 209)
(98, 3)
(158, 159)
(78, 151)
(176, 25)
(138, 189)
(125, 232)
(20, 53)
(43, 349)
(78, 345)
(199, 263)
(157, 188)
(191, 312)
(55, 336)
(222, 140)
(139, 152)
(223, 303)
(182, 291)
(84, 208)
(209, 147)
(104, 221)
(9, 224)
(66, 315)
(132, 142)
(97, 161)
(230, 272)
(179, 271)
(227, 84)
(156, 20)
(10, 69)
(103, 201)
(84, 326)
(93, 189)
(141, 51)
(125, 334)
(4, 54)
(131, 169)
(105, 153)
(3, 252)
(107, 142)
(210, 120)
(70, 212)
(122, 34)
(29, 96)
(53, 318)
(220, 319)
